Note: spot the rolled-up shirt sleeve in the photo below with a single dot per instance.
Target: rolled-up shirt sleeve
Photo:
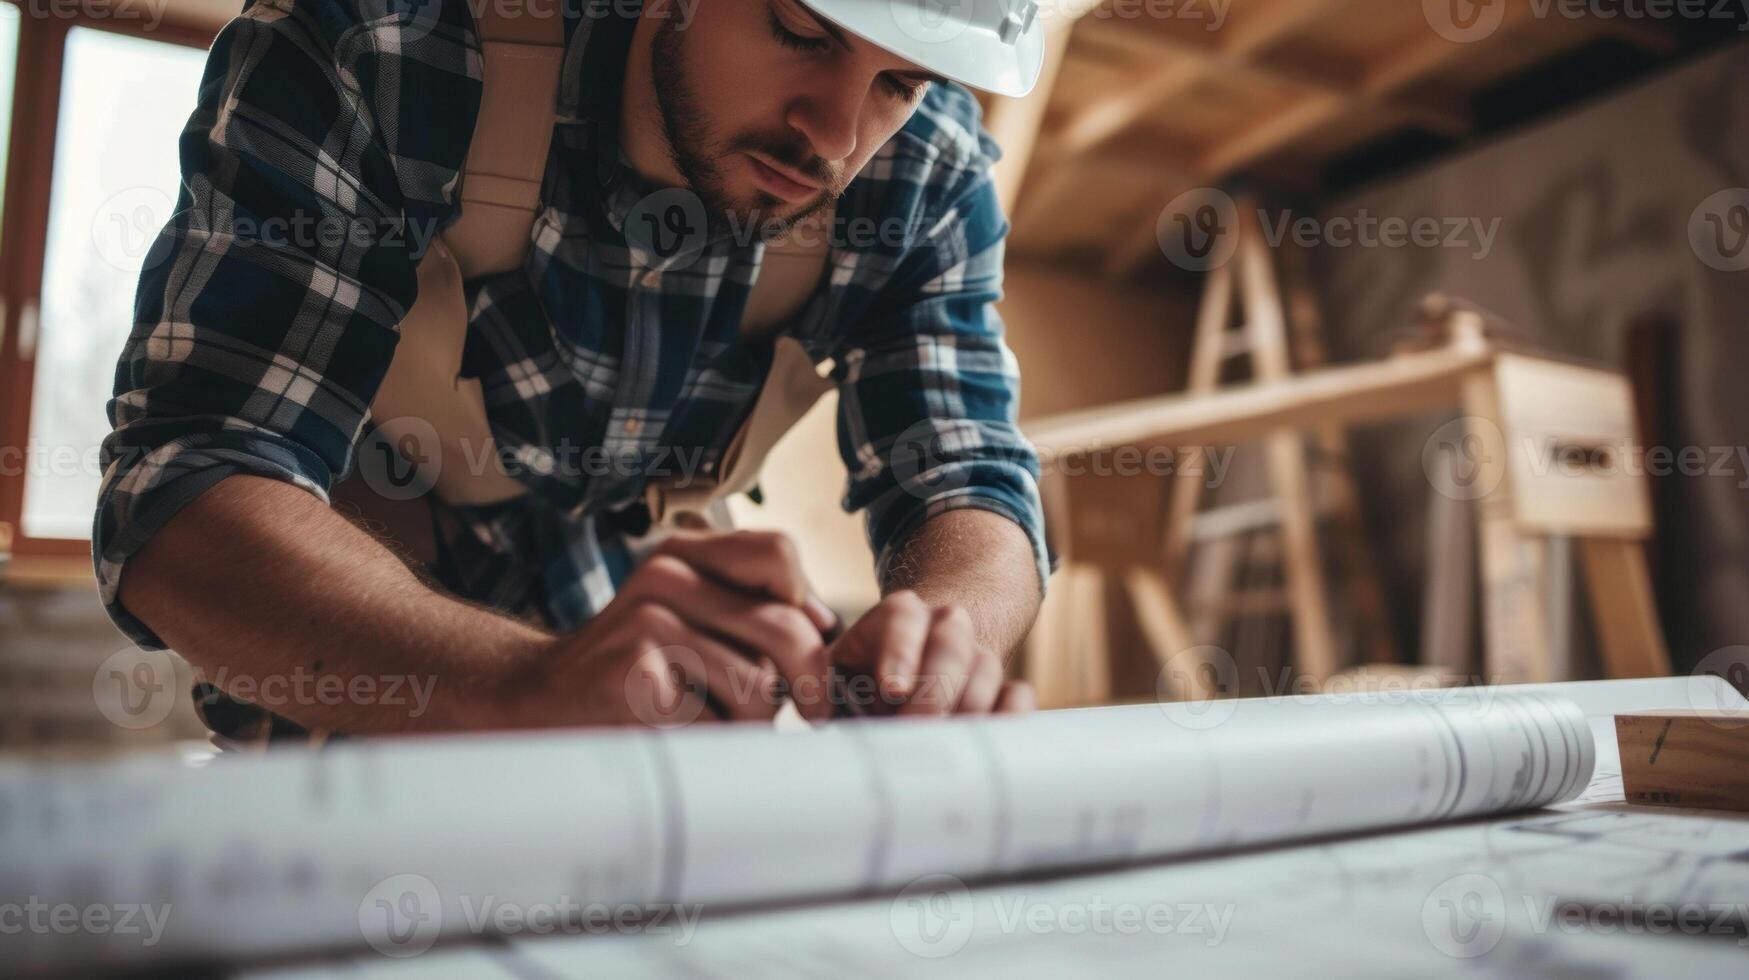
(321, 157)
(929, 392)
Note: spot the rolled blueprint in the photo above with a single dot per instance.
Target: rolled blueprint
(374, 841)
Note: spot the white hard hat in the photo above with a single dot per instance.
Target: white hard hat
(995, 45)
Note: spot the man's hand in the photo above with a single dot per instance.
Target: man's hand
(710, 627)
(906, 658)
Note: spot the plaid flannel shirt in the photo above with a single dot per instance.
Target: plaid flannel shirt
(257, 353)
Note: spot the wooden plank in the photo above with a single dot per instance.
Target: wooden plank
(1314, 636)
(1285, 453)
(1400, 385)
(1157, 47)
(1685, 758)
(1230, 519)
(1090, 647)
(1402, 67)
(1205, 369)
(1014, 123)
(1067, 653)
(1109, 116)
(1514, 563)
(1628, 626)
(1264, 602)
(1050, 645)
(1169, 78)
(1256, 139)
(1162, 623)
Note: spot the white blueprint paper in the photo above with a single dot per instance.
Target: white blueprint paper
(386, 840)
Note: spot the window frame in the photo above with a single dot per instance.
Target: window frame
(36, 103)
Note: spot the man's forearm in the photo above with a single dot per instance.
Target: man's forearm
(258, 580)
(976, 559)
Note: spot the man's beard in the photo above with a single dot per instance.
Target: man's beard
(695, 154)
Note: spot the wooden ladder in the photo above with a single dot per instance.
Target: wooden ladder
(1299, 494)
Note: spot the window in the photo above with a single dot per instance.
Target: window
(114, 187)
(95, 109)
(8, 77)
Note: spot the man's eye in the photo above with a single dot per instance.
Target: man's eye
(799, 42)
(904, 91)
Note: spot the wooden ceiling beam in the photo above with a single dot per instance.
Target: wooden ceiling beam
(1377, 83)
(1257, 141)
(1114, 113)
(1188, 65)
(1106, 118)
(1442, 118)
(1014, 122)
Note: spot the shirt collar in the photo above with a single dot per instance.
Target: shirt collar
(594, 79)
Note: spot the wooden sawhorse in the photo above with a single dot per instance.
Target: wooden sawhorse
(1548, 451)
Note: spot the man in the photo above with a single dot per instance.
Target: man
(245, 388)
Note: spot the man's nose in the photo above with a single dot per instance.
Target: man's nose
(828, 117)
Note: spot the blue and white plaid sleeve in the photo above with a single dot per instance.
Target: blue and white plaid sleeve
(267, 309)
(929, 392)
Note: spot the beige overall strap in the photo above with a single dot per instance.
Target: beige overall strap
(422, 394)
(791, 269)
(523, 50)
